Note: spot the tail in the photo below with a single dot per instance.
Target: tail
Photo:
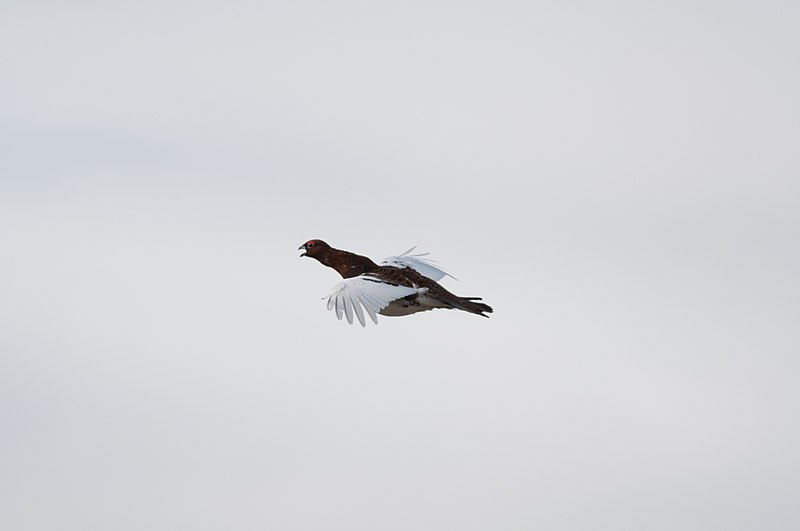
(468, 304)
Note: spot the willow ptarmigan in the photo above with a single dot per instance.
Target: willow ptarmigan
(400, 285)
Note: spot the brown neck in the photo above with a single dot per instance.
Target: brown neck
(346, 263)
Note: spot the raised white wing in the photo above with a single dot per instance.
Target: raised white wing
(354, 295)
(423, 266)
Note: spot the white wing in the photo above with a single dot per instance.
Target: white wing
(354, 295)
(423, 266)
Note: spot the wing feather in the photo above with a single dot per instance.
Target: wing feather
(418, 262)
(364, 292)
(348, 308)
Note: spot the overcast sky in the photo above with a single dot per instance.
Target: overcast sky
(620, 182)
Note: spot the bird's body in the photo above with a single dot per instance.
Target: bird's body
(400, 285)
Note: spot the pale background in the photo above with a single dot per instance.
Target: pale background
(620, 182)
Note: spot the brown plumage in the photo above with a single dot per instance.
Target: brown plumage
(345, 263)
(421, 292)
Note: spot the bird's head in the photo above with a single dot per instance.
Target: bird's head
(314, 248)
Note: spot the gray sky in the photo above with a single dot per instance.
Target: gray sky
(620, 182)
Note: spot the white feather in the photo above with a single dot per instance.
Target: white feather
(368, 292)
(423, 266)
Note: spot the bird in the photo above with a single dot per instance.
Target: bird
(400, 285)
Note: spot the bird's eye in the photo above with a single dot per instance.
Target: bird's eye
(311, 244)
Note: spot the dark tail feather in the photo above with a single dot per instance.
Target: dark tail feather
(468, 305)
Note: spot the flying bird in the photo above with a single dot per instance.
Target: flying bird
(400, 285)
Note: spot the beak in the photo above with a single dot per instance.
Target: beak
(302, 247)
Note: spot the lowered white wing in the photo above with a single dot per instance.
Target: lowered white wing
(354, 295)
(423, 266)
